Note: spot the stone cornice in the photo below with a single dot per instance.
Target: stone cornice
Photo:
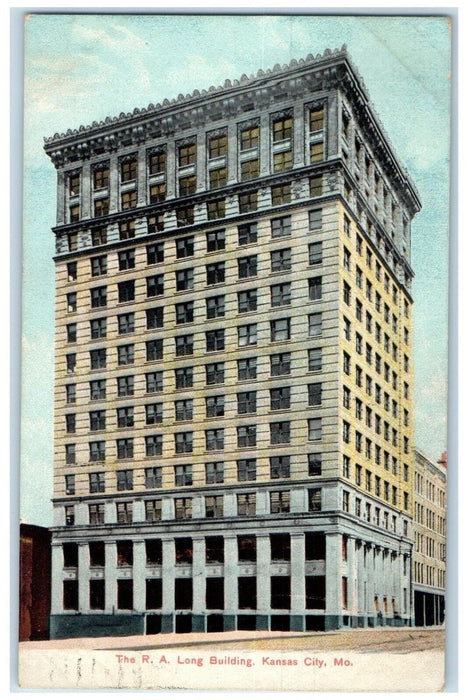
(168, 114)
(238, 98)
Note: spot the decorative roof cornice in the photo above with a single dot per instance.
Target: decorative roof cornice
(196, 96)
(332, 69)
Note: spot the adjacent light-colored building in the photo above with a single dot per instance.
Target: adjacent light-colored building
(430, 543)
(233, 388)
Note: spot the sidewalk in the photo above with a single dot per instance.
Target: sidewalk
(383, 638)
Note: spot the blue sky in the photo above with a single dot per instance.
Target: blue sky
(83, 68)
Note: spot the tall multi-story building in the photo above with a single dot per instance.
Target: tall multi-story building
(233, 388)
(430, 540)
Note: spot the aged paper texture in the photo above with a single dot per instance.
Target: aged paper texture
(234, 371)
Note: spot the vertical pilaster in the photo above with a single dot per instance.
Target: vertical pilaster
(370, 580)
(139, 576)
(141, 182)
(264, 147)
(232, 153)
(201, 160)
(199, 575)
(168, 575)
(297, 573)
(361, 581)
(83, 577)
(86, 191)
(56, 603)
(114, 184)
(298, 130)
(352, 576)
(333, 574)
(171, 157)
(263, 573)
(230, 574)
(110, 576)
(60, 197)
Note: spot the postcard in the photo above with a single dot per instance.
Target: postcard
(234, 368)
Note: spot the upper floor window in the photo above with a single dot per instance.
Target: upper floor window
(216, 209)
(316, 120)
(249, 137)
(247, 267)
(282, 161)
(126, 291)
(155, 253)
(184, 280)
(128, 170)
(157, 162)
(158, 193)
(217, 146)
(215, 273)
(248, 202)
(281, 194)
(127, 259)
(74, 183)
(316, 186)
(185, 216)
(215, 240)
(317, 152)
(185, 247)
(99, 266)
(281, 226)
(315, 219)
(281, 260)
(250, 169)
(218, 178)
(187, 185)
(155, 223)
(129, 200)
(101, 177)
(74, 215)
(282, 129)
(101, 208)
(187, 154)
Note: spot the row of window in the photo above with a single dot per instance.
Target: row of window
(280, 503)
(247, 234)
(374, 483)
(429, 575)
(429, 547)
(280, 364)
(371, 259)
(429, 490)
(359, 440)
(247, 334)
(182, 550)
(373, 181)
(280, 594)
(390, 376)
(215, 274)
(280, 433)
(370, 322)
(217, 147)
(390, 405)
(185, 213)
(374, 389)
(428, 518)
(215, 473)
(374, 514)
(247, 300)
(280, 398)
